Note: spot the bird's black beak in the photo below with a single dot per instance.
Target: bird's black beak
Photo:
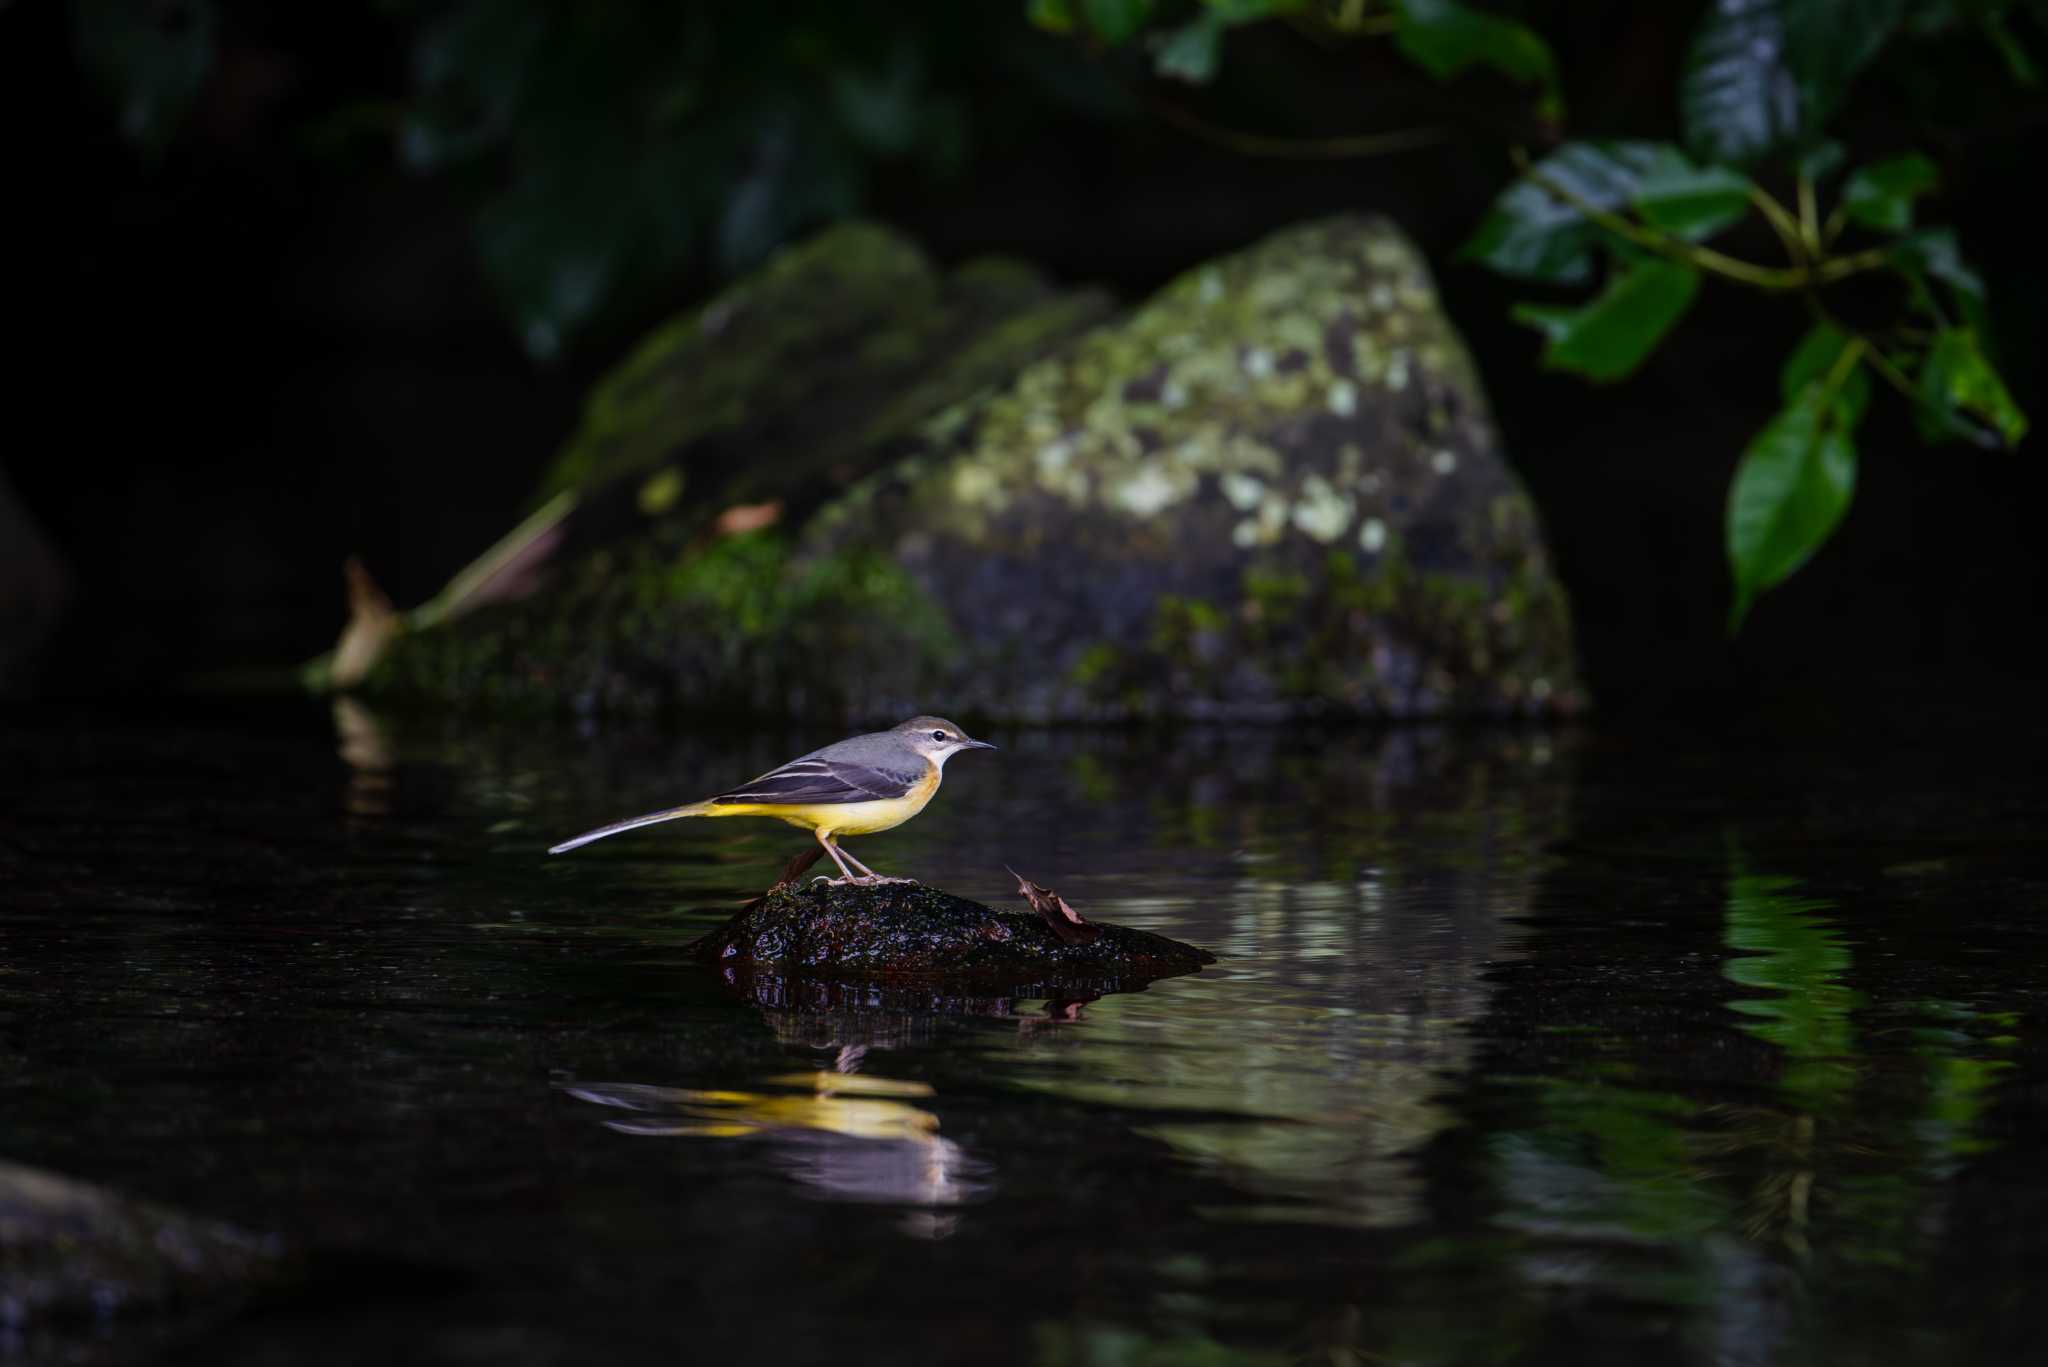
(979, 745)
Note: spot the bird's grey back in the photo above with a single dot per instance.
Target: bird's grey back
(876, 750)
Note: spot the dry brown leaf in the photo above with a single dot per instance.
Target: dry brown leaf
(373, 624)
(747, 517)
(1066, 923)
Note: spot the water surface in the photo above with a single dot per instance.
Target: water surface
(1521, 1047)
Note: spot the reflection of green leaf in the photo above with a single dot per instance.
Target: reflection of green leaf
(1881, 195)
(1957, 380)
(1799, 955)
(1611, 336)
(1607, 1157)
(1955, 1106)
(1790, 490)
(1445, 37)
(1100, 1343)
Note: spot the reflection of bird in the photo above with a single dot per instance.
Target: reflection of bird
(845, 1136)
(857, 787)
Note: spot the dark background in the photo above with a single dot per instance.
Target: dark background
(273, 348)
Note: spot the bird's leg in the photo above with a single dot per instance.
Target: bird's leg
(825, 839)
(873, 877)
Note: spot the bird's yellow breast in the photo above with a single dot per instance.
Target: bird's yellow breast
(844, 818)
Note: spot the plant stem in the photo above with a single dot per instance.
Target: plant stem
(1809, 217)
(1353, 17)
(1700, 257)
(1837, 221)
(1838, 373)
(1706, 258)
(1782, 223)
(1879, 362)
(1895, 377)
(1296, 149)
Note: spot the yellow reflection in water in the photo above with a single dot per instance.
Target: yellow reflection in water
(842, 1136)
(852, 1105)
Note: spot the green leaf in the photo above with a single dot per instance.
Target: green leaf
(1192, 51)
(1445, 37)
(151, 60)
(1956, 380)
(1791, 488)
(1933, 254)
(1116, 21)
(1054, 16)
(1821, 160)
(1610, 337)
(1881, 195)
(1692, 202)
(1763, 76)
(2018, 62)
(474, 65)
(1531, 234)
(1810, 363)
(1936, 252)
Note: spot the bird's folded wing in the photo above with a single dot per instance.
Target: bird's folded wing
(823, 781)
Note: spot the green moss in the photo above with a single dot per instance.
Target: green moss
(1274, 591)
(741, 625)
(714, 367)
(1244, 468)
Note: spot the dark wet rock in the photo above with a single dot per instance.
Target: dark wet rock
(71, 1252)
(908, 931)
(33, 588)
(1273, 490)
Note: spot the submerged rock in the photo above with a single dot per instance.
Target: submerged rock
(72, 1252)
(907, 930)
(1273, 490)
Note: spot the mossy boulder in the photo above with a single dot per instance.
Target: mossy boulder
(1273, 490)
(795, 380)
(908, 931)
(669, 581)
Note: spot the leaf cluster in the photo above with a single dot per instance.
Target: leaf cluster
(1636, 220)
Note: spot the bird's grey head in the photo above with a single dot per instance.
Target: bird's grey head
(938, 739)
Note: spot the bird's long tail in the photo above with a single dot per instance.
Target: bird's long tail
(651, 819)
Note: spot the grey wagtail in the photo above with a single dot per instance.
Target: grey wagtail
(857, 787)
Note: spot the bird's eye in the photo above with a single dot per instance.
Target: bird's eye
(938, 735)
